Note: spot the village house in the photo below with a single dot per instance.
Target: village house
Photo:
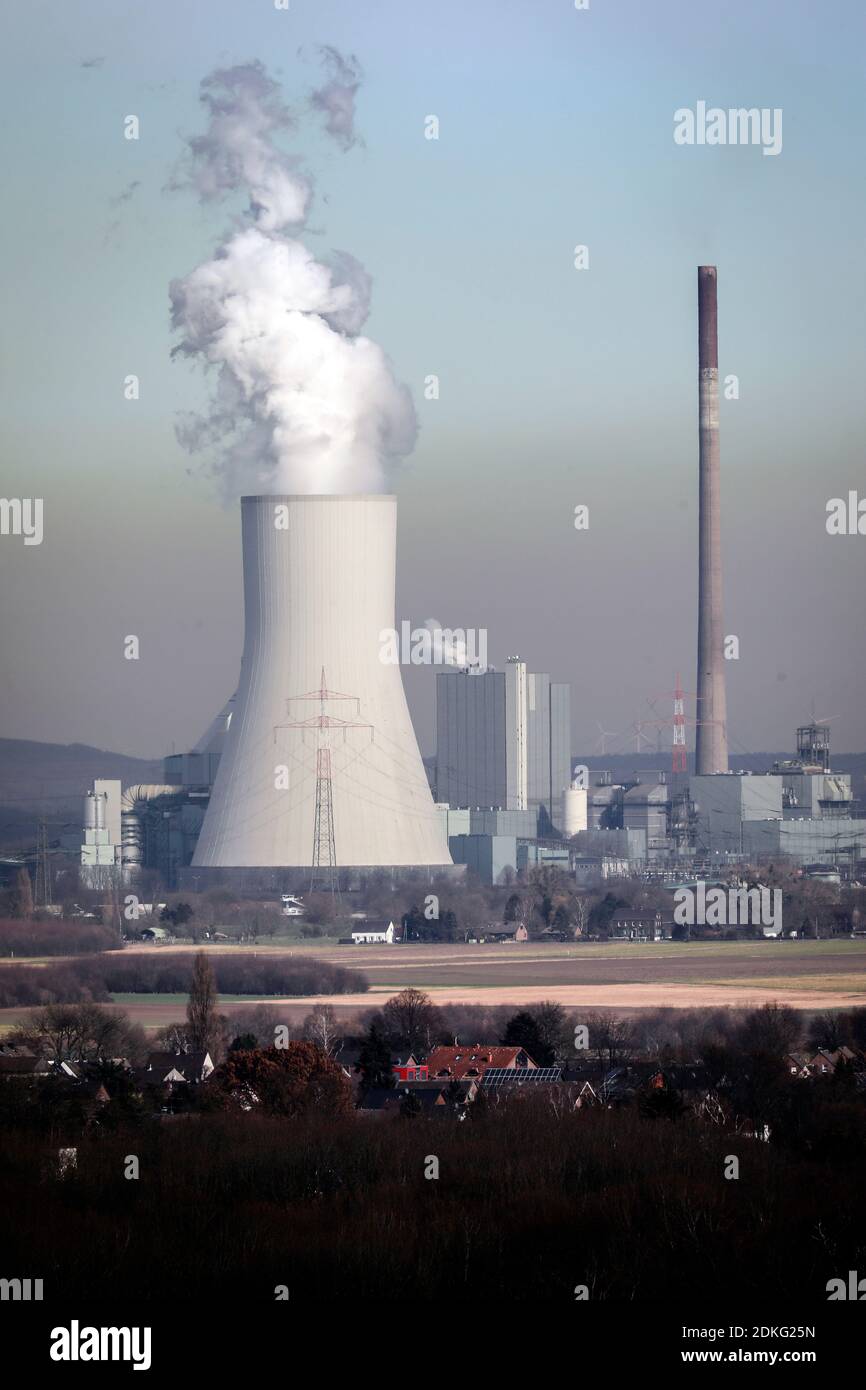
(627, 924)
(586, 1095)
(409, 1069)
(176, 1068)
(824, 1063)
(498, 931)
(798, 1064)
(377, 931)
(424, 1097)
(21, 1062)
(462, 1062)
(821, 1063)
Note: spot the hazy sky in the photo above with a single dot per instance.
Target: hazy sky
(558, 386)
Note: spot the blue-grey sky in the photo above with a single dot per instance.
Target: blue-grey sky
(557, 386)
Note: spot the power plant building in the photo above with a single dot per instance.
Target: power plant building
(516, 735)
(723, 802)
(470, 738)
(100, 854)
(833, 840)
(497, 859)
(503, 741)
(645, 808)
(560, 749)
(801, 809)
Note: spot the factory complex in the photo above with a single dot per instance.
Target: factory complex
(311, 777)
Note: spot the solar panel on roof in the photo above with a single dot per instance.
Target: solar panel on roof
(518, 1076)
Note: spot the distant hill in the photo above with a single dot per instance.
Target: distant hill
(49, 779)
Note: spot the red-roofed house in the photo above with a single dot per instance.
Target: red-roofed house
(460, 1062)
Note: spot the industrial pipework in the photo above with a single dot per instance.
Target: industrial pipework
(131, 827)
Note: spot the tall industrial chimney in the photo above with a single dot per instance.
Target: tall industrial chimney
(316, 699)
(711, 740)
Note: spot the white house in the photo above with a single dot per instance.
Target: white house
(376, 932)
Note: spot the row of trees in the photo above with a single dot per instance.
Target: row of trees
(543, 897)
(96, 978)
(34, 937)
(410, 1022)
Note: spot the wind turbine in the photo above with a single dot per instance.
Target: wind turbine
(604, 734)
(640, 735)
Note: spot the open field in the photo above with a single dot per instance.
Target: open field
(809, 975)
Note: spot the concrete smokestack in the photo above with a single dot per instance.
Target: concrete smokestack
(711, 742)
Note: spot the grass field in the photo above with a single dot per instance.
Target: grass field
(810, 975)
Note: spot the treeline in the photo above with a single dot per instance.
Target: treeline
(242, 973)
(410, 1021)
(97, 979)
(26, 986)
(23, 937)
(526, 1205)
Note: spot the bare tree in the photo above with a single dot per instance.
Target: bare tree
(774, 1028)
(580, 915)
(173, 1037)
(553, 1027)
(321, 1027)
(262, 1020)
(57, 1030)
(84, 1032)
(826, 1031)
(610, 1038)
(409, 1016)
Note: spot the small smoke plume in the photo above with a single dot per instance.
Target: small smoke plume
(125, 194)
(449, 647)
(112, 231)
(302, 402)
(336, 99)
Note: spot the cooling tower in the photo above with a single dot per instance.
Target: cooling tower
(316, 700)
(711, 738)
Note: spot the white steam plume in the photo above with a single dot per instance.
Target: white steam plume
(302, 402)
